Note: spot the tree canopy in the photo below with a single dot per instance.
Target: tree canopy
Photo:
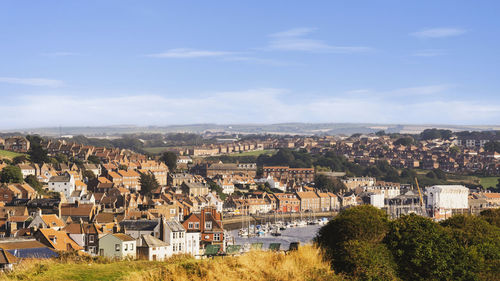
(11, 174)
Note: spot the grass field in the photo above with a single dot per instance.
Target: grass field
(488, 182)
(8, 154)
(305, 264)
(156, 150)
(254, 153)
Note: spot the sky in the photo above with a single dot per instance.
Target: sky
(95, 63)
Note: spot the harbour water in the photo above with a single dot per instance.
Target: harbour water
(303, 234)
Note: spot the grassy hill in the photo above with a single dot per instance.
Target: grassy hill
(8, 154)
(305, 264)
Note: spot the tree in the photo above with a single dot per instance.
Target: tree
(392, 176)
(19, 159)
(325, 182)
(455, 150)
(405, 141)
(62, 158)
(11, 174)
(89, 175)
(33, 182)
(362, 223)
(38, 154)
(94, 159)
(492, 146)
(423, 249)
(170, 159)
(148, 183)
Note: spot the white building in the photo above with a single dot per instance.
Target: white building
(193, 243)
(175, 235)
(377, 200)
(274, 183)
(64, 184)
(153, 249)
(117, 245)
(214, 200)
(226, 185)
(389, 191)
(443, 199)
(447, 197)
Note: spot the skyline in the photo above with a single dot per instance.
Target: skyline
(166, 63)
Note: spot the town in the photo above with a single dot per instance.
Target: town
(60, 195)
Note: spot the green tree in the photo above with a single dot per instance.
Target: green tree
(170, 159)
(325, 182)
(362, 223)
(405, 141)
(454, 150)
(38, 154)
(33, 182)
(423, 249)
(11, 174)
(61, 158)
(368, 261)
(94, 159)
(148, 183)
(89, 175)
(19, 159)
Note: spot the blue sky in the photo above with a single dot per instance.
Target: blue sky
(89, 63)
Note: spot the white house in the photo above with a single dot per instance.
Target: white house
(27, 170)
(64, 184)
(443, 199)
(377, 200)
(153, 249)
(117, 245)
(175, 235)
(215, 201)
(447, 197)
(274, 183)
(226, 185)
(193, 243)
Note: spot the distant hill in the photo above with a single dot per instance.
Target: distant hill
(284, 128)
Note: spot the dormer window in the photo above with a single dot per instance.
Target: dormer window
(208, 225)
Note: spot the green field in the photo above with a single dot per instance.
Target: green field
(156, 149)
(488, 182)
(254, 153)
(8, 154)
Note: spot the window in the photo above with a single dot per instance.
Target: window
(217, 237)
(208, 225)
(126, 247)
(196, 225)
(174, 235)
(190, 225)
(131, 246)
(172, 211)
(117, 247)
(181, 234)
(91, 238)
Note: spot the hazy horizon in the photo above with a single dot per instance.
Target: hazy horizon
(97, 63)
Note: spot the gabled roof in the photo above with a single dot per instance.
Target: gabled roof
(62, 241)
(52, 220)
(123, 237)
(151, 241)
(143, 225)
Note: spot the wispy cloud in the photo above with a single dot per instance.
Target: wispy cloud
(440, 32)
(61, 54)
(190, 53)
(429, 53)
(32, 81)
(247, 106)
(294, 40)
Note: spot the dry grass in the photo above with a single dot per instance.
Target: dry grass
(305, 264)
